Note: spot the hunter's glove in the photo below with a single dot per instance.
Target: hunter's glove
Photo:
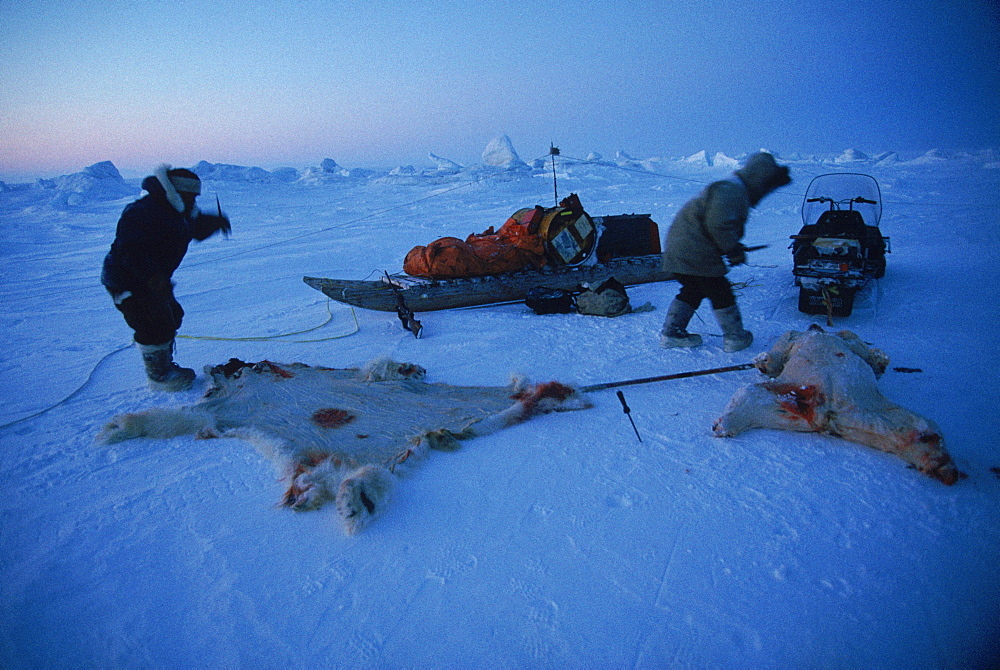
(206, 225)
(738, 256)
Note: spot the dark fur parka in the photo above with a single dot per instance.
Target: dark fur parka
(152, 238)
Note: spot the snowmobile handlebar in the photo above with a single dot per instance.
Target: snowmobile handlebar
(833, 202)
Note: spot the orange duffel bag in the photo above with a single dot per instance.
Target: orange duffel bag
(514, 247)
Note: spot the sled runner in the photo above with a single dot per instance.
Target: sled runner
(628, 250)
(840, 247)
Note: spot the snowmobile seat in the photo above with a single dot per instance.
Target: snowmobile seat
(834, 224)
(842, 223)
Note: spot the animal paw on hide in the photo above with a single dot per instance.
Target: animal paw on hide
(927, 455)
(362, 496)
(442, 440)
(386, 369)
(161, 423)
(311, 485)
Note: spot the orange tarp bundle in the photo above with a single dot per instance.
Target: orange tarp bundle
(515, 246)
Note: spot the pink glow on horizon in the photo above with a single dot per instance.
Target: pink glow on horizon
(291, 84)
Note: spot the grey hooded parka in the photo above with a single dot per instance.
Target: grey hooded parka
(710, 225)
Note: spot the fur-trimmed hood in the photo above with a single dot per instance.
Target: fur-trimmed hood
(159, 184)
(761, 175)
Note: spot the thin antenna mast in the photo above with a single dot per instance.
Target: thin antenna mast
(554, 151)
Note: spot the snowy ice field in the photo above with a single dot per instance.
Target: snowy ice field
(561, 542)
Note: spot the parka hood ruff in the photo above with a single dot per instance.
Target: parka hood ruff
(761, 175)
(173, 197)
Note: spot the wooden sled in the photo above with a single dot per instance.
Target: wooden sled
(628, 251)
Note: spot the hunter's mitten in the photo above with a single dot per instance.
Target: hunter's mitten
(207, 225)
(738, 256)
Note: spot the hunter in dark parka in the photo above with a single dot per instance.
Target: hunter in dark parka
(152, 238)
(708, 229)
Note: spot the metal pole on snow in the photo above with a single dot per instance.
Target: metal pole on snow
(628, 413)
(663, 378)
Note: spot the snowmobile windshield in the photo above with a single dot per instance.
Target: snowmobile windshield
(843, 191)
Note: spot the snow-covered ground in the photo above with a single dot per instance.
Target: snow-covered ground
(561, 542)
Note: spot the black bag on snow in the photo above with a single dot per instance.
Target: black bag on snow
(544, 300)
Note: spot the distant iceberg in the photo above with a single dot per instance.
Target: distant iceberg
(254, 175)
(722, 160)
(851, 156)
(700, 158)
(326, 171)
(886, 158)
(500, 153)
(100, 182)
(932, 156)
(445, 166)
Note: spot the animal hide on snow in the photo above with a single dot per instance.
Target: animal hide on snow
(826, 383)
(339, 434)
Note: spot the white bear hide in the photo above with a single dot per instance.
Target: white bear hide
(826, 383)
(339, 434)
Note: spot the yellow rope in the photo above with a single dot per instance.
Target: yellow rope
(357, 327)
(274, 338)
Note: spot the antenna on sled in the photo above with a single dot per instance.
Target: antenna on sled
(554, 151)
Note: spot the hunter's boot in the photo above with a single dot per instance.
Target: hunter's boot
(734, 336)
(674, 332)
(163, 373)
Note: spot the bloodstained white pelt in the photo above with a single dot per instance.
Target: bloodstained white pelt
(341, 435)
(826, 383)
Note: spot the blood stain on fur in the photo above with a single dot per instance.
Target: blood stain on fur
(408, 370)
(230, 369)
(799, 401)
(311, 459)
(932, 439)
(234, 368)
(531, 397)
(278, 370)
(332, 418)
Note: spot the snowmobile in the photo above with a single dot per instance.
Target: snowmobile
(840, 247)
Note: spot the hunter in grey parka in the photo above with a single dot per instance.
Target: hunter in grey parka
(710, 226)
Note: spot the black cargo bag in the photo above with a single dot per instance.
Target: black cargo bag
(545, 300)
